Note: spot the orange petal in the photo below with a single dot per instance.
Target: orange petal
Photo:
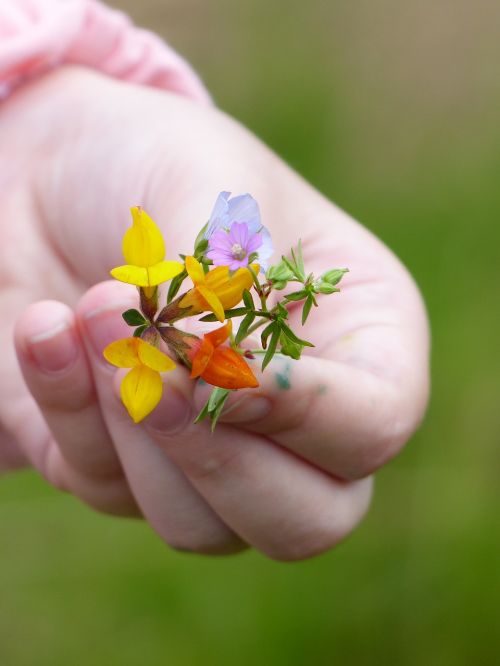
(227, 369)
(220, 335)
(201, 358)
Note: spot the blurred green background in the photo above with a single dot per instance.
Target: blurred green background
(392, 110)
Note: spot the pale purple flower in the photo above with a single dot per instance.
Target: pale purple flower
(232, 248)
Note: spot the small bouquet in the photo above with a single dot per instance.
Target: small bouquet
(230, 278)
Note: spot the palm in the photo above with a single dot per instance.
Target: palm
(130, 147)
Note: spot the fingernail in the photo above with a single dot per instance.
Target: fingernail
(247, 408)
(101, 326)
(174, 413)
(55, 349)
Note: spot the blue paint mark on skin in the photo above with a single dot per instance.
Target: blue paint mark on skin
(283, 378)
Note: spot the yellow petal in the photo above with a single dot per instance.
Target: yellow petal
(214, 303)
(141, 391)
(231, 293)
(123, 353)
(195, 271)
(154, 358)
(217, 278)
(143, 243)
(163, 271)
(193, 299)
(131, 275)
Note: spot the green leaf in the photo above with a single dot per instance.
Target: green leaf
(289, 348)
(203, 414)
(133, 317)
(279, 273)
(219, 406)
(244, 326)
(300, 262)
(253, 257)
(273, 343)
(270, 328)
(201, 248)
(139, 331)
(235, 312)
(175, 285)
(307, 308)
(213, 406)
(325, 288)
(282, 311)
(216, 396)
(335, 275)
(248, 300)
(291, 336)
(289, 264)
(280, 285)
(200, 237)
(297, 295)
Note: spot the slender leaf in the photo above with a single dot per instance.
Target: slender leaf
(291, 336)
(235, 312)
(203, 413)
(216, 412)
(297, 295)
(175, 285)
(307, 308)
(300, 261)
(248, 300)
(200, 237)
(289, 348)
(271, 350)
(244, 326)
(270, 328)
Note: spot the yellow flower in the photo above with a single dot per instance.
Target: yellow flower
(142, 387)
(217, 290)
(144, 252)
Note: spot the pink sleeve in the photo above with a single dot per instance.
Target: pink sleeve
(38, 35)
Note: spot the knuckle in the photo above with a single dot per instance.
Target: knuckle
(213, 465)
(377, 449)
(306, 545)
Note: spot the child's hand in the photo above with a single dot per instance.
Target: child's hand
(288, 468)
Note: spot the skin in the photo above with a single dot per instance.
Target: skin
(288, 472)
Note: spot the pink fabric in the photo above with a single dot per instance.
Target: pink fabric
(38, 35)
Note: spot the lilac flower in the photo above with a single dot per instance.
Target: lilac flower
(233, 249)
(235, 231)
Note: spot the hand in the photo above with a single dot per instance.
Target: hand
(288, 469)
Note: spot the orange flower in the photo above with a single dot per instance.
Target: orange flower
(217, 290)
(221, 367)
